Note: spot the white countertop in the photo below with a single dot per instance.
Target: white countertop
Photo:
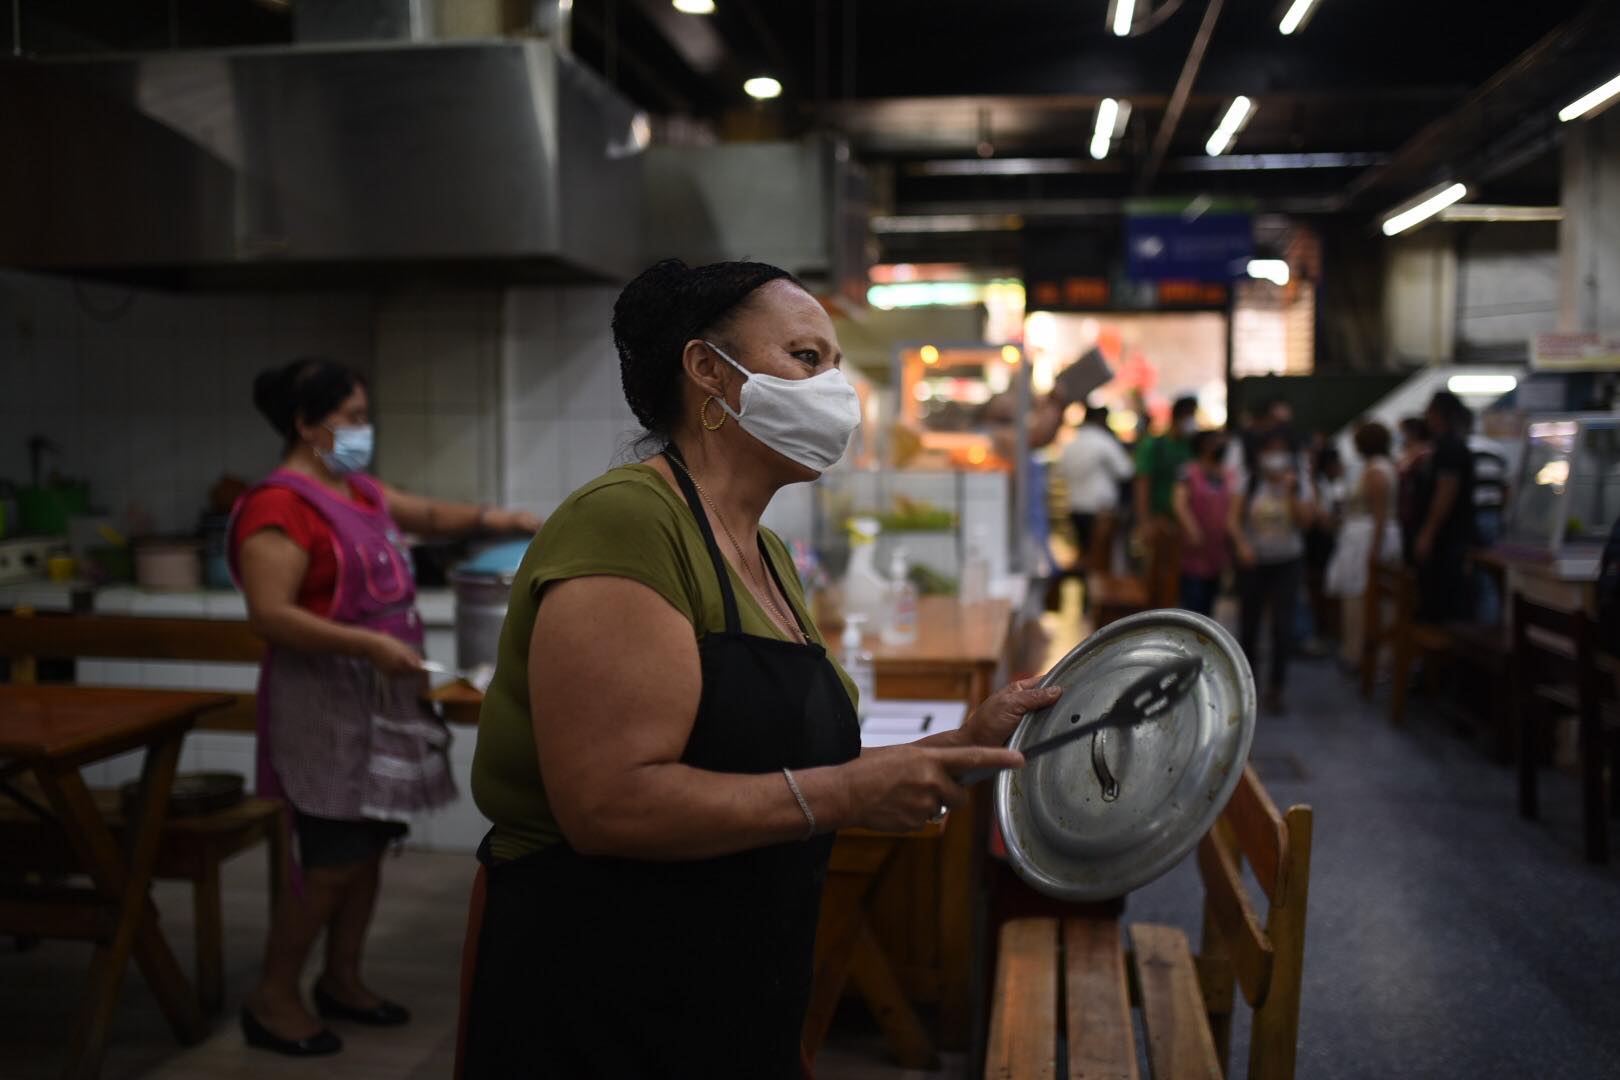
(437, 606)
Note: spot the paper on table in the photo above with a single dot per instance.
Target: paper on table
(479, 677)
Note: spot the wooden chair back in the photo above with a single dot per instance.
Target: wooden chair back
(1389, 603)
(1163, 569)
(1555, 632)
(120, 637)
(1263, 955)
(1100, 555)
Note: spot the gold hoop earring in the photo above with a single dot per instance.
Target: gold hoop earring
(703, 414)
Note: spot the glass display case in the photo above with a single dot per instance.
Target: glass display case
(933, 514)
(1568, 494)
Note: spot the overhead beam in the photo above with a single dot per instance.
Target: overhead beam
(1055, 166)
(1178, 99)
(977, 211)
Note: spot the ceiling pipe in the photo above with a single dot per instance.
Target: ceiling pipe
(1178, 99)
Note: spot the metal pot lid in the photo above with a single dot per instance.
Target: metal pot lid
(1107, 815)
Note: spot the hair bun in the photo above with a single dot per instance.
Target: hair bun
(272, 396)
(664, 307)
(307, 389)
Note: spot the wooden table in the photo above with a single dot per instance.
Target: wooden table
(53, 731)
(848, 950)
(926, 911)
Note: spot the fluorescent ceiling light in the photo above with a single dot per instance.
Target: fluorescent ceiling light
(1481, 385)
(761, 87)
(1491, 212)
(1237, 114)
(1583, 105)
(694, 7)
(1103, 134)
(1423, 211)
(1296, 15)
(1124, 16)
(1272, 270)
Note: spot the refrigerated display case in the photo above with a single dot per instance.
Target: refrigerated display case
(1568, 494)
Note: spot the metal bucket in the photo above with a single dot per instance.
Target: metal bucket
(482, 586)
(480, 614)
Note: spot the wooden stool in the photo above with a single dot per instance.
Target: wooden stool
(191, 849)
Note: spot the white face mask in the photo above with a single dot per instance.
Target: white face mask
(809, 421)
(1275, 461)
(351, 449)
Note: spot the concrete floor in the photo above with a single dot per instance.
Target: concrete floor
(1447, 938)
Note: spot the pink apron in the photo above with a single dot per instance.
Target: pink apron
(336, 737)
(1208, 502)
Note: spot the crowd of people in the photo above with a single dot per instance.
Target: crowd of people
(1282, 522)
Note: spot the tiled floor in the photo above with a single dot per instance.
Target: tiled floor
(1447, 938)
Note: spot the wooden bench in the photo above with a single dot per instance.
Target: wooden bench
(1066, 988)
(191, 848)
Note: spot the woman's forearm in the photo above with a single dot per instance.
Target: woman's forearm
(293, 627)
(441, 518)
(671, 812)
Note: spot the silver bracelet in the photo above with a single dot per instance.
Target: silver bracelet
(793, 786)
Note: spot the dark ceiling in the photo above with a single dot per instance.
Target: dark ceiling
(983, 109)
(1386, 96)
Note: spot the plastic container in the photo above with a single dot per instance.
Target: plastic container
(45, 511)
(168, 564)
(900, 603)
(974, 587)
(865, 590)
(858, 663)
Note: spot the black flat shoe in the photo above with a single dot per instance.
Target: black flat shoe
(321, 1043)
(386, 1014)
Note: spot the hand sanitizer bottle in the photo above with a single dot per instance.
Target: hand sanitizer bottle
(975, 584)
(900, 603)
(858, 664)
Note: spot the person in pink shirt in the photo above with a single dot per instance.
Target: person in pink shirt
(1203, 497)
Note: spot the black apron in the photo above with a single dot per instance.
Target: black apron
(594, 967)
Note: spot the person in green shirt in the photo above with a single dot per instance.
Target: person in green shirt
(1160, 460)
(666, 748)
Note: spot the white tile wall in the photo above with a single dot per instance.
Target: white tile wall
(437, 390)
(562, 405)
(149, 393)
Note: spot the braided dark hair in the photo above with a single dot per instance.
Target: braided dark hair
(667, 305)
(307, 390)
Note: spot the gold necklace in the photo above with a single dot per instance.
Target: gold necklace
(788, 624)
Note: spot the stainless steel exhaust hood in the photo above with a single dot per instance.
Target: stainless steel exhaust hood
(500, 160)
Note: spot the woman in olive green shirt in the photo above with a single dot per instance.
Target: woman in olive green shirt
(666, 749)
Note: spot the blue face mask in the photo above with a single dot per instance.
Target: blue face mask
(351, 449)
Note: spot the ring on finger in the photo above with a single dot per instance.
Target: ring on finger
(938, 817)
